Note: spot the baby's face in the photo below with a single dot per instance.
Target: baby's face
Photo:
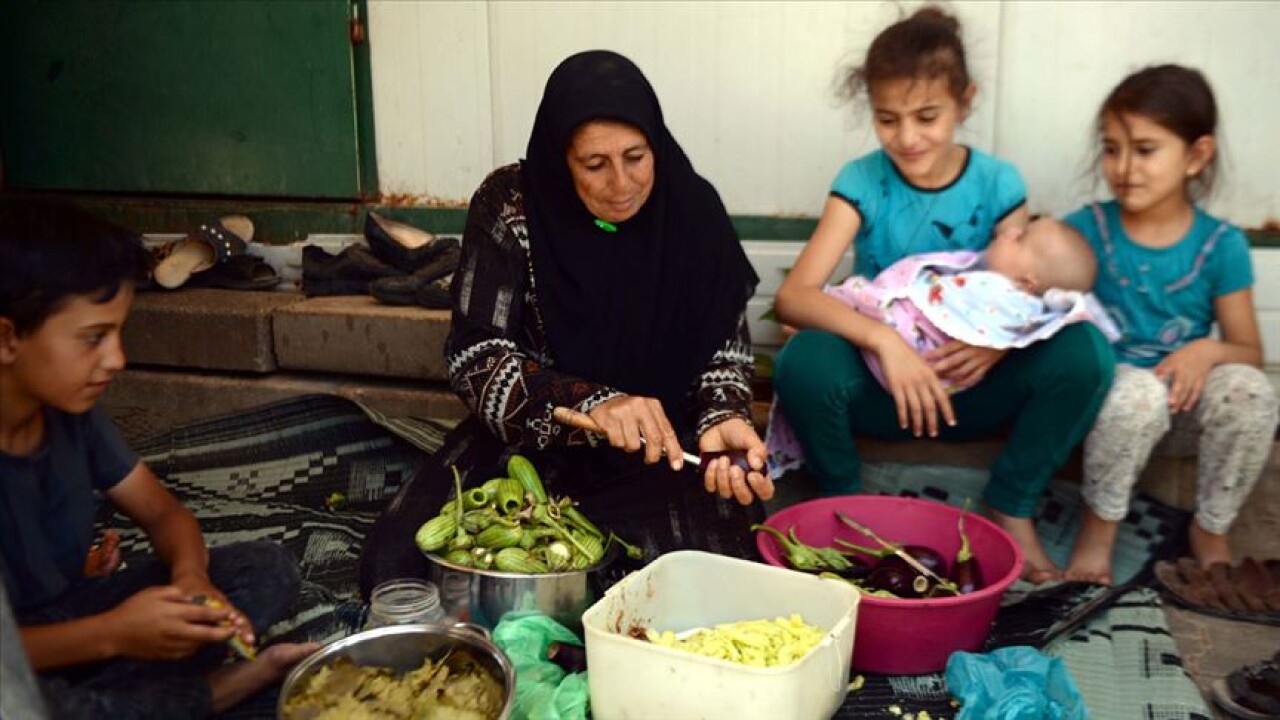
(1013, 251)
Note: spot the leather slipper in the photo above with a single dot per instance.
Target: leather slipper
(240, 272)
(201, 249)
(411, 290)
(1248, 591)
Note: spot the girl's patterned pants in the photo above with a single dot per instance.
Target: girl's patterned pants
(1234, 423)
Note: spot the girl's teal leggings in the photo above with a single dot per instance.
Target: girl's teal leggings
(1045, 395)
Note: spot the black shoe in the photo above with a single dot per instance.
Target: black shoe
(411, 290)
(402, 246)
(348, 273)
(238, 272)
(444, 262)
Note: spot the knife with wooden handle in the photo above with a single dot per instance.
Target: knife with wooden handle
(583, 421)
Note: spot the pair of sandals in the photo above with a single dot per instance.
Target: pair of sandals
(1252, 692)
(214, 255)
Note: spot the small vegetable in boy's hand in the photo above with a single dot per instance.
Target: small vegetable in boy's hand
(241, 648)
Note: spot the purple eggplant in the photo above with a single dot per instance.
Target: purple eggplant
(901, 581)
(570, 658)
(737, 458)
(926, 556)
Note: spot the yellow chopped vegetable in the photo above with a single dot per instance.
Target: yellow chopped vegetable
(456, 688)
(759, 643)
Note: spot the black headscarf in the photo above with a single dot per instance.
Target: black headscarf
(642, 309)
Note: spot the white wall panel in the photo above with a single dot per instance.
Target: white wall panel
(1060, 59)
(748, 86)
(432, 100)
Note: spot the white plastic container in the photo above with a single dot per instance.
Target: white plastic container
(632, 679)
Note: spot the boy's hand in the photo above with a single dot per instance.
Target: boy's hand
(198, 585)
(161, 623)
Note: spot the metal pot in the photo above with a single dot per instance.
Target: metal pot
(484, 596)
(404, 648)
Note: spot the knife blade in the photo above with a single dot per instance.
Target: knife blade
(581, 420)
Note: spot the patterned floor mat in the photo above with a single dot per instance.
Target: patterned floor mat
(310, 473)
(313, 473)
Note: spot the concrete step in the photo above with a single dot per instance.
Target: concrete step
(359, 335)
(147, 401)
(206, 329)
(262, 332)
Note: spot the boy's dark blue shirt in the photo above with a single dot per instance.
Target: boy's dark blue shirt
(47, 503)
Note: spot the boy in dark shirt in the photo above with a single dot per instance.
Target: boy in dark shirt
(127, 644)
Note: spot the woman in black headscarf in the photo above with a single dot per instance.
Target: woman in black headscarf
(601, 274)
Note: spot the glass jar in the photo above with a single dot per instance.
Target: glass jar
(404, 601)
(455, 594)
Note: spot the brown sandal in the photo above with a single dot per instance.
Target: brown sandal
(1248, 591)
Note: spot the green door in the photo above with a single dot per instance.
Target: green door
(227, 97)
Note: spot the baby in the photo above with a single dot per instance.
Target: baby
(1027, 285)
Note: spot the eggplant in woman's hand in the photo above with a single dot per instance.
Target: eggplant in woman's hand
(737, 458)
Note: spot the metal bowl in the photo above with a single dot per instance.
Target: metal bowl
(484, 596)
(403, 648)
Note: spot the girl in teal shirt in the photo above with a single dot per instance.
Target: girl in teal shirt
(1167, 272)
(923, 192)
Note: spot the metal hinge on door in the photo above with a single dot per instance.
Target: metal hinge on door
(357, 25)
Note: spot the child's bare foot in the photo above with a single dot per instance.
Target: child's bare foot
(1206, 547)
(1037, 568)
(1091, 557)
(234, 683)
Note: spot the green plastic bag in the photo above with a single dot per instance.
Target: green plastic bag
(544, 691)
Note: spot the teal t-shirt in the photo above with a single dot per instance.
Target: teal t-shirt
(1162, 298)
(900, 219)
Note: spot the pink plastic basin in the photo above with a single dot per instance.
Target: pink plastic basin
(909, 637)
